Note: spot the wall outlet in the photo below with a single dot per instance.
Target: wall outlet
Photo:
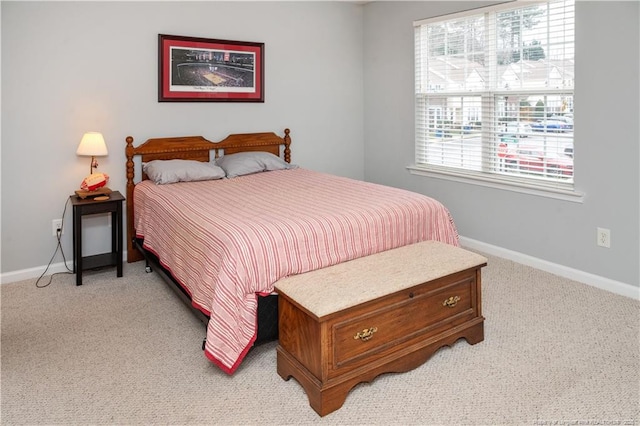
(56, 225)
(604, 237)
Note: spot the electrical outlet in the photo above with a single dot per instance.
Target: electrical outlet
(604, 237)
(56, 225)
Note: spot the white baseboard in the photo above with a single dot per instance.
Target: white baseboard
(26, 274)
(54, 268)
(607, 284)
(603, 283)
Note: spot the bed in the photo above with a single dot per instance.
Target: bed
(224, 242)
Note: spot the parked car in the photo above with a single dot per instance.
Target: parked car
(517, 129)
(532, 160)
(566, 119)
(568, 150)
(549, 125)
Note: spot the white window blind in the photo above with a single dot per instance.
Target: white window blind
(494, 94)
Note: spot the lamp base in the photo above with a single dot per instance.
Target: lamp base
(90, 194)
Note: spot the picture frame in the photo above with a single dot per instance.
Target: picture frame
(193, 69)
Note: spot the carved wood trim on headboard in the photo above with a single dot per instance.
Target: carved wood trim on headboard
(193, 148)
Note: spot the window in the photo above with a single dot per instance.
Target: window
(494, 95)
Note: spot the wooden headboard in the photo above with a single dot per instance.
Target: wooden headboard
(193, 148)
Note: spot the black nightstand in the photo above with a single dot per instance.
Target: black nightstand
(87, 206)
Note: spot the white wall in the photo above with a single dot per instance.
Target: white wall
(607, 115)
(96, 69)
(71, 67)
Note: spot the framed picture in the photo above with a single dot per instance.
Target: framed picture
(194, 69)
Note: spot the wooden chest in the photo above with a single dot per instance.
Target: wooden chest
(388, 312)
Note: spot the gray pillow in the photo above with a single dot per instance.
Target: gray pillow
(171, 171)
(244, 163)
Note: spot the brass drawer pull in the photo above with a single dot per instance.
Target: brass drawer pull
(451, 302)
(365, 334)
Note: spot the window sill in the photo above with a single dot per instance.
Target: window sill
(494, 181)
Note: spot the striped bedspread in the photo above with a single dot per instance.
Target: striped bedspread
(227, 240)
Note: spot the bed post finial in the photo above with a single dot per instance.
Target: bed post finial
(287, 142)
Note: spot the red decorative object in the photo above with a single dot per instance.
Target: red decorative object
(94, 181)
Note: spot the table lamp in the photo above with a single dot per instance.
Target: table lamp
(94, 185)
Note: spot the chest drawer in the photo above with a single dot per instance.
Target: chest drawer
(390, 323)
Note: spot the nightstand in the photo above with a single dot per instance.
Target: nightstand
(88, 206)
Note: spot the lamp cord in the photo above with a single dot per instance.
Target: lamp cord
(58, 247)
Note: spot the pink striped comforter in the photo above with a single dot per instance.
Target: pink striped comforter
(227, 240)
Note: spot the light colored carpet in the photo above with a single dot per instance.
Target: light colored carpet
(127, 351)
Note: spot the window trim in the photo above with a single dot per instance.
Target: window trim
(494, 180)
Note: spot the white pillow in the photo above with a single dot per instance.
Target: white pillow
(244, 163)
(170, 171)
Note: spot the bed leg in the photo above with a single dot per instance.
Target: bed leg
(204, 342)
(147, 267)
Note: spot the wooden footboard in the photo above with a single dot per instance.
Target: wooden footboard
(192, 148)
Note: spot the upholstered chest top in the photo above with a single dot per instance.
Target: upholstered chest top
(367, 278)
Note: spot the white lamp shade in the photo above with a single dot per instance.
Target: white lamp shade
(93, 144)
